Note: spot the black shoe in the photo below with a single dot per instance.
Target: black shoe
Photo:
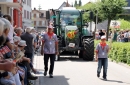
(31, 77)
(51, 76)
(45, 73)
(104, 78)
(98, 75)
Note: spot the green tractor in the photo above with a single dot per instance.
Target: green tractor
(74, 36)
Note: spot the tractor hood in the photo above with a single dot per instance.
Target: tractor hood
(71, 28)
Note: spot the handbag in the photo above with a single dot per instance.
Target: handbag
(6, 52)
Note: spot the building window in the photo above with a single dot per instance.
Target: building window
(34, 23)
(24, 13)
(43, 23)
(41, 15)
(40, 23)
(30, 15)
(25, 1)
(27, 14)
(34, 15)
(0, 10)
(30, 2)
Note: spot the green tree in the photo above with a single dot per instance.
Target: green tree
(88, 6)
(111, 9)
(94, 7)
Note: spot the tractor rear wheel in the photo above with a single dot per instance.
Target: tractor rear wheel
(88, 51)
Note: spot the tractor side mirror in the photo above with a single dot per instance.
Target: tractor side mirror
(47, 14)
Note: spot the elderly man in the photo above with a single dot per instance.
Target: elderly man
(33, 33)
(10, 34)
(29, 48)
(19, 31)
(50, 49)
(4, 65)
(102, 50)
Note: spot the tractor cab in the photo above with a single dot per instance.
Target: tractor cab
(73, 37)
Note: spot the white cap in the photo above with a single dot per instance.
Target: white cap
(96, 33)
(17, 38)
(50, 26)
(103, 37)
(22, 43)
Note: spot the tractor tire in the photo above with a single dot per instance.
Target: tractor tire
(88, 51)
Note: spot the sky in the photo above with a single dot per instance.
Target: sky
(49, 4)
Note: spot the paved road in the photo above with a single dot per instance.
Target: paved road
(78, 72)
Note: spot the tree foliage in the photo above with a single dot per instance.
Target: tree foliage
(94, 7)
(106, 10)
(111, 9)
(125, 25)
(88, 6)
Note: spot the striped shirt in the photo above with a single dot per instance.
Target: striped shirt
(49, 43)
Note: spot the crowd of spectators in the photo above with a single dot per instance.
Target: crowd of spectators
(117, 36)
(16, 53)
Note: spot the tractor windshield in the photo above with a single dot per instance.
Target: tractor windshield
(72, 17)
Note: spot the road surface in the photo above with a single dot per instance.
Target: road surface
(78, 72)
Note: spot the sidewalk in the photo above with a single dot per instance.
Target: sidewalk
(39, 65)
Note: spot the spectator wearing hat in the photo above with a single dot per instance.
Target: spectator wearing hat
(25, 61)
(102, 50)
(49, 49)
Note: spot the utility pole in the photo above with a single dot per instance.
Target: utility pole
(39, 7)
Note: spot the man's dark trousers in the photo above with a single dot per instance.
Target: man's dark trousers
(52, 60)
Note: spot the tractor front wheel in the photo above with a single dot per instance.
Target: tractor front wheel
(88, 51)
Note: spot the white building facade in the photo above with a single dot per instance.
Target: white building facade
(26, 17)
(7, 6)
(39, 19)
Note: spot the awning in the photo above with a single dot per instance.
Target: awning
(11, 4)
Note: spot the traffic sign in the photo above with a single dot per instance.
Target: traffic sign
(115, 24)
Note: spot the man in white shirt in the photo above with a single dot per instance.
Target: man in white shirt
(10, 34)
(126, 36)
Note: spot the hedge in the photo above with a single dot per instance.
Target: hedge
(120, 52)
(125, 25)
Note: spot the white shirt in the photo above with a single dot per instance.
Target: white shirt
(126, 35)
(10, 34)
